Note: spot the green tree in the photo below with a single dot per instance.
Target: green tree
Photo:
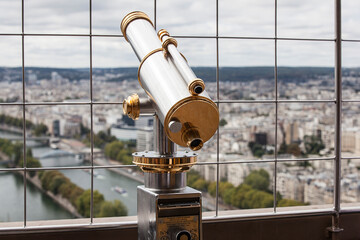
(313, 144)
(200, 184)
(29, 152)
(293, 149)
(40, 129)
(112, 209)
(47, 178)
(238, 197)
(212, 189)
(289, 202)
(112, 149)
(222, 122)
(224, 187)
(6, 147)
(227, 196)
(124, 156)
(283, 148)
(192, 177)
(75, 193)
(258, 179)
(56, 183)
(17, 153)
(66, 190)
(32, 163)
(84, 130)
(83, 202)
(257, 150)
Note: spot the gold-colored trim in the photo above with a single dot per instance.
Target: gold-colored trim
(205, 121)
(131, 106)
(150, 163)
(196, 83)
(143, 60)
(191, 137)
(166, 43)
(162, 33)
(183, 56)
(131, 17)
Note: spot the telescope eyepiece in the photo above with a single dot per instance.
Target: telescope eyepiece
(196, 87)
(196, 144)
(192, 137)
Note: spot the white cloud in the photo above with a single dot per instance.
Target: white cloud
(65, 52)
(249, 18)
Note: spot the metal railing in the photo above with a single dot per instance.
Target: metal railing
(276, 101)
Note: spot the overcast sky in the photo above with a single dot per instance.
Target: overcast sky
(241, 18)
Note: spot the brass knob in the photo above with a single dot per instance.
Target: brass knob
(131, 106)
(192, 137)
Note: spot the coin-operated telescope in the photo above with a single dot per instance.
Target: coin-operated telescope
(184, 115)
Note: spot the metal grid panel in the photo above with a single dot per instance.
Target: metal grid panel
(337, 158)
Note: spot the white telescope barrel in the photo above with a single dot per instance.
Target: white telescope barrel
(188, 120)
(195, 85)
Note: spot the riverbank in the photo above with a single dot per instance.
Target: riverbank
(62, 202)
(208, 201)
(12, 129)
(136, 176)
(130, 173)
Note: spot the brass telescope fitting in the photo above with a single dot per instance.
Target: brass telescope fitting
(197, 86)
(131, 106)
(131, 17)
(192, 137)
(150, 161)
(166, 43)
(162, 33)
(193, 113)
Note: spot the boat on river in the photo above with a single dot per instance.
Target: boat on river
(119, 190)
(54, 143)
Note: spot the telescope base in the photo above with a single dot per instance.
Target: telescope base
(169, 216)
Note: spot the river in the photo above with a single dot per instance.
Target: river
(40, 206)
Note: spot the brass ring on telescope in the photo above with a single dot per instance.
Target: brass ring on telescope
(183, 56)
(150, 161)
(143, 60)
(197, 82)
(131, 17)
(165, 44)
(168, 41)
(162, 32)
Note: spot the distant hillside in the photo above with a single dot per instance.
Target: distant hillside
(256, 73)
(287, 74)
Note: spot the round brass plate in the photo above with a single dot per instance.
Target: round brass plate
(199, 112)
(150, 161)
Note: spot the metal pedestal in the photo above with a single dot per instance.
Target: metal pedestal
(167, 208)
(169, 215)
